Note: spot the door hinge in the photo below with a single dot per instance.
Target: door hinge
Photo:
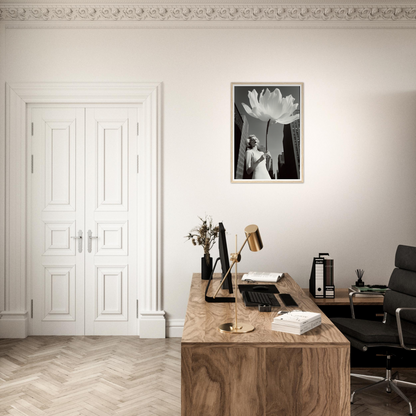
(32, 164)
(32, 129)
(31, 308)
(137, 308)
(138, 164)
(138, 128)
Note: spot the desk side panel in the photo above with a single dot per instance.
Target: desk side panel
(284, 381)
(326, 381)
(268, 381)
(205, 385)
(223, 381)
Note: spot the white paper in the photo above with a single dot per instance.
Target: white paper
(263, 277)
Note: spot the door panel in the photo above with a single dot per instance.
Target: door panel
(57, 202)
(112, 238)
(112, 286)
(112, 165)
(58, 241)
(60, 165)
(60, 299)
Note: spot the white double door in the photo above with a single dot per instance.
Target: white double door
(83, 220)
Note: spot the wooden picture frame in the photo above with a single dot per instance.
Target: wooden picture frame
(267, 144)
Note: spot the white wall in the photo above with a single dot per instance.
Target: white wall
(358, 200)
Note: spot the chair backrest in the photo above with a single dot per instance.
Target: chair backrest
(402, 285)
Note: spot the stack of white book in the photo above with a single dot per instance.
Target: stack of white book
(296, 322)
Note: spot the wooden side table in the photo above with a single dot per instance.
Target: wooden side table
(342, 298)
(370, 308)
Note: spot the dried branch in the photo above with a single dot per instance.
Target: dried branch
(204, 235)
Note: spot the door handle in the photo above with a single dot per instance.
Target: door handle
(90, 237)
(79, 238)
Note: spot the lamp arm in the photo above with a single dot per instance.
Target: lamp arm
(232, 265)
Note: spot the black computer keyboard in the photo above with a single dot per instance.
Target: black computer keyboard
(258, 298)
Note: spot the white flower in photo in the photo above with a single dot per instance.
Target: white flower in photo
(271, 107)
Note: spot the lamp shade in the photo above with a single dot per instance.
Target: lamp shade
(254, 238)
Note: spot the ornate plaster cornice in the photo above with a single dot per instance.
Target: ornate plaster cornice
(291, 13)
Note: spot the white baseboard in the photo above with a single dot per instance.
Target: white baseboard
(14, 324)
(152, 324)
(175, 328)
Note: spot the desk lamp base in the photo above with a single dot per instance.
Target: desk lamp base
(243, 328)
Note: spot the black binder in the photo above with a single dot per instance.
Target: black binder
(321, 282)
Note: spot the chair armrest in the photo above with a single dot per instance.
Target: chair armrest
(352, 294)
(399, 327)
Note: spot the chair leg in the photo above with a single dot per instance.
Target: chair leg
(401, 394)
(404, 383)
(383, 381)
(366, 377)
(392, 382)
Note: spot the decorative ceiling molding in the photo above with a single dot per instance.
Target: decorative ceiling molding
(292, 13)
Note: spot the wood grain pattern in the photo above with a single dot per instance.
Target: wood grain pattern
(342, 299)
(325, 389)
(202, 319)
(281, 390)
(249, 376)
(263, 373)
(210, 393)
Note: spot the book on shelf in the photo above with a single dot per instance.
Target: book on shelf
(262, 277)
(364, 291)
(296, 322)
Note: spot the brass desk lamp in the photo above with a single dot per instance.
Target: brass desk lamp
(255, 244)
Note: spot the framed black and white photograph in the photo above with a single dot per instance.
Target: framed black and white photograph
(267, 132)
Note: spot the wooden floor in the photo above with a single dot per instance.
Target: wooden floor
(92, 376)
(99, 376)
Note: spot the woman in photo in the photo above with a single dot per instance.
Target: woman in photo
(256, 160)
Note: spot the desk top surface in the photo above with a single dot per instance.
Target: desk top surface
(203, 318)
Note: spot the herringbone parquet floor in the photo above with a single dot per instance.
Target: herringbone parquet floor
(121, 376)
(91, 376)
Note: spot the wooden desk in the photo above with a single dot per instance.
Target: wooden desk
(265, 372)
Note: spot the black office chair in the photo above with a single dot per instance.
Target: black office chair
(398, 329)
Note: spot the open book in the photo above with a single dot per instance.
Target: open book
(262, 277)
